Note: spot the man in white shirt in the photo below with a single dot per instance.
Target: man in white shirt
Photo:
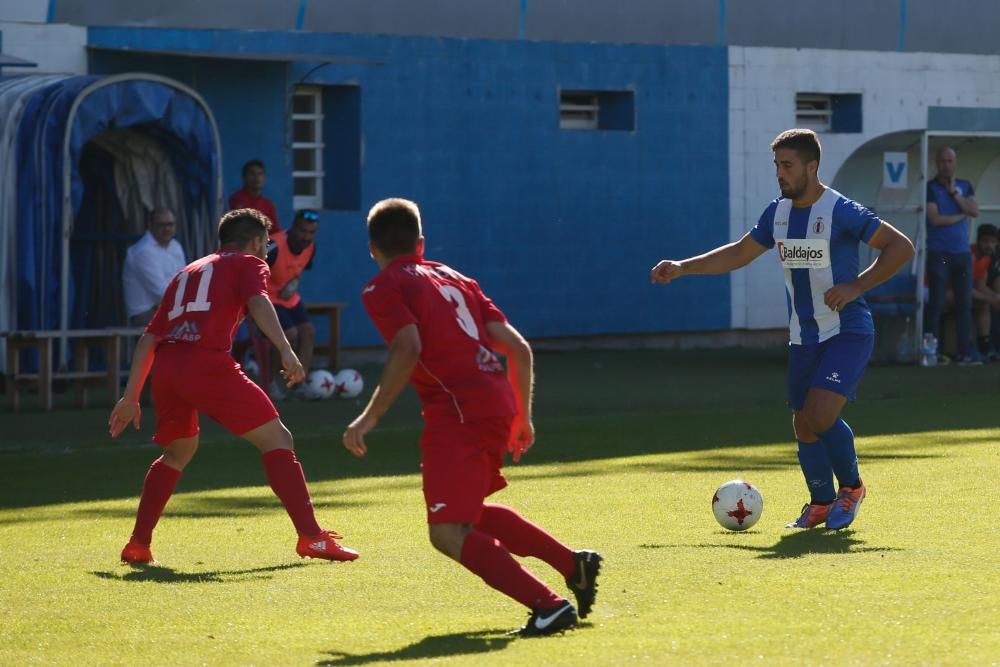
(150, 265)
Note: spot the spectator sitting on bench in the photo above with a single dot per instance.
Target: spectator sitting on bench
(150, 264)
(986, 290)
(289, 255)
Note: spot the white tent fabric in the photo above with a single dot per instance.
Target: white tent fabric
(144, 178)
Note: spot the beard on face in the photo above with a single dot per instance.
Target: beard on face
(791, 191)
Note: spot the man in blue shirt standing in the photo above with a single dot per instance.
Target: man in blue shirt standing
(817, 232)
(950, 203)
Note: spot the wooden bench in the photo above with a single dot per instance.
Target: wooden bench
(82, 377)
(332, 347)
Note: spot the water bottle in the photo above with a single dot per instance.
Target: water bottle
(928, 350)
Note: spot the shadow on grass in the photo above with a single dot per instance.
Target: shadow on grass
(792, 545)
(727, 399)
(166, 575)
(710, 462)
(809, 542)
(214, 507)
(440, 646)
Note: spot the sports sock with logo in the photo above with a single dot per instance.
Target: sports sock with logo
(839, 444)
(284, 474)
(524, 538)
(156, 491)
(818, 471)
(486, 557)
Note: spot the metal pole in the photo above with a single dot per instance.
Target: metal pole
(921, 255)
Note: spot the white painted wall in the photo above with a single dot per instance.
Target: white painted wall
(56, 48)
(896, 90)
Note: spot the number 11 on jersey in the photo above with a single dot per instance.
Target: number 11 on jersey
(201, 302)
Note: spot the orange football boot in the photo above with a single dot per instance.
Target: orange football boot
(812, 516)
(845, 507)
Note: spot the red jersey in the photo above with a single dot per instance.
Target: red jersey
(243, 199)
(457, 375)
(207, 300)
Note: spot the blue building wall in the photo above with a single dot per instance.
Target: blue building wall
(559, 227)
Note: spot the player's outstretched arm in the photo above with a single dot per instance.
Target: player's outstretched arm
(723, 259)
(263, 314)
(127, 410)
(404, 353)
(895, 250)
(509, 342)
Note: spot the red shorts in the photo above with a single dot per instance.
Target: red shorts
(462, 466)
(188, 380)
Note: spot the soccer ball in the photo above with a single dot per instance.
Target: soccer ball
(319, 384)
(737, 505)
(349, 383)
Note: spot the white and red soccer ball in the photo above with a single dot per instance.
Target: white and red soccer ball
(737, 505)
(319, 384)
(348, 383)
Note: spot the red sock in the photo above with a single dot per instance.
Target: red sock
(156, 491)
(284, 474)
(485, 556)
(524, 538)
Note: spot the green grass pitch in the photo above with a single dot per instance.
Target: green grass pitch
(630, 447)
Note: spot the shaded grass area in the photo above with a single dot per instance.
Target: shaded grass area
(651, 401)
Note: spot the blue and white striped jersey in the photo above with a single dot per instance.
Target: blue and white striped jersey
(818, 248)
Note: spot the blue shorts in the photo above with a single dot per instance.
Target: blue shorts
(836, 364)
(292, 317)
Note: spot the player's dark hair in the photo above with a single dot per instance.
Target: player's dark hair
(394, 226)
(242, 226)
(804, 142)
(252, 163)
(986, 229)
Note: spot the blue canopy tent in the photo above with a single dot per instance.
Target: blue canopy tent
(51, 256)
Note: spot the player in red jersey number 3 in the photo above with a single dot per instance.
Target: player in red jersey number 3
(442, 332)
(187, 347)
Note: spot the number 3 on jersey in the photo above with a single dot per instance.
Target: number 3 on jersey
(464, 317)
(201, 302)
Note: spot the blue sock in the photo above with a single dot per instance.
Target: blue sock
(818, 472)
(839, 444)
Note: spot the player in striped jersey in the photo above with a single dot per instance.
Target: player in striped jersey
(816, 231)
